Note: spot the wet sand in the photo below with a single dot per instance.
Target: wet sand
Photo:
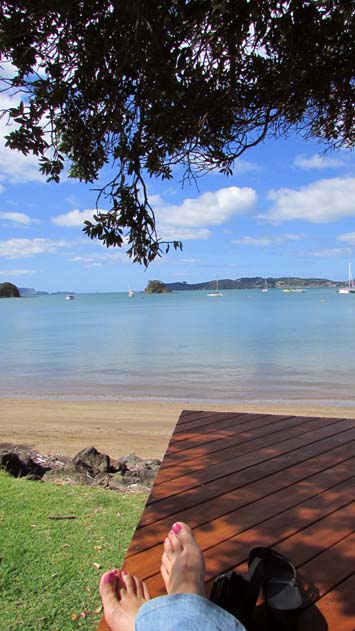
(116, 427)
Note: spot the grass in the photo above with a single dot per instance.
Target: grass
(47, 578)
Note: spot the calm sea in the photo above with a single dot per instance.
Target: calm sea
(246, 346)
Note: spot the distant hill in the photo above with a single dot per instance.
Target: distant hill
(29, 291)
(255, 282)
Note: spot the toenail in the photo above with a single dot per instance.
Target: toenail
(108, 578)
(176, 528)
(124, 572)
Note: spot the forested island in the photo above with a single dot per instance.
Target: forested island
(8, 290)
(256, 282)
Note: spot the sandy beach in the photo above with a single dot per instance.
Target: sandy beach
(115, 427)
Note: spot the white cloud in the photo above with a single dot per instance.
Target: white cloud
(23, 248)
(19, 218)
(189, 220)
(209, 209)
(326, 252)
(348, 237)
(190, 261)
(100, 258)
(75, 217)
(244, 166)
(267, 241)
(177, 233)
(317, 161)
(17, 272)
(15, 167)
(322, 201)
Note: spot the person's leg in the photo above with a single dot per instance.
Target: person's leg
(185, 607)
(122, 596)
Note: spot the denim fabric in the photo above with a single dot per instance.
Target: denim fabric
(181, 612)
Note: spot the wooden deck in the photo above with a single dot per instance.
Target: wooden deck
(242, 480)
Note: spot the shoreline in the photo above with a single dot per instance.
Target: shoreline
(121, 426)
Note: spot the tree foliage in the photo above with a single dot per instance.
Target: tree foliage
(146, 85)
(156, 287)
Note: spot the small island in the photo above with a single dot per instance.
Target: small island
(156, 287)
(8, 290)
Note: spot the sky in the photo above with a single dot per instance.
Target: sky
(288, 210)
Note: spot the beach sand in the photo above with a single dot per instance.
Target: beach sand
(115, 427)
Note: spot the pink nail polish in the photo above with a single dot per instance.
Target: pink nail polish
(124, 573)
(176, 528)
(108, 578)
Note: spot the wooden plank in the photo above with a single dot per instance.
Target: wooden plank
(146, 537)
(243, 480)
(192, 498)
(226, 429)
(174, 456)
(203, 422)
(243, 461)
(245, 442)
(334, 611)
(221, 533)
(326, 529)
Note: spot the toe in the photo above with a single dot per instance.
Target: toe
(168, 548)
(108, 591)
(183, 533)
(129, 582)
(139, 588)
(146, 592)
(165, 574)
(175, 541)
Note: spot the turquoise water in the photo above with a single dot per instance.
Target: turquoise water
(246, 346)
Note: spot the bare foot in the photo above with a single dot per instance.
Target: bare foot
(182, 563)
(122, 595)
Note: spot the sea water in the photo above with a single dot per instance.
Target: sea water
(247, 345)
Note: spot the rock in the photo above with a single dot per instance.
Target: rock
(19, 465)
(142, 473)
(34, 468)
(130, 461)
(91, 461)
(68, 476)
(12, 463)
(115, 482)
(34, 477)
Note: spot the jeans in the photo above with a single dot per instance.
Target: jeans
(184, 612)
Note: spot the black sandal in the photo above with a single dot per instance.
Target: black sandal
(282, 595)
(238, 594)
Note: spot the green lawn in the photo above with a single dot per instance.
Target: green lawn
(47, 578)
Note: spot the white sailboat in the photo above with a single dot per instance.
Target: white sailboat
(350, 289)
(265, 288)
(216, 293)
(130, 293)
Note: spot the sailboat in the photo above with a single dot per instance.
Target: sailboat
(265, 288)
(350, 289)
(130, 293)
(216, 292)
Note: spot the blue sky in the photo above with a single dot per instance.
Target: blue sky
(288, 210)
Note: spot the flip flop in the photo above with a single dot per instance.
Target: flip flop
(282, 595)
(238, 594)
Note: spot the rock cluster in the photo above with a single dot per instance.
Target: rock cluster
(89, 466)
